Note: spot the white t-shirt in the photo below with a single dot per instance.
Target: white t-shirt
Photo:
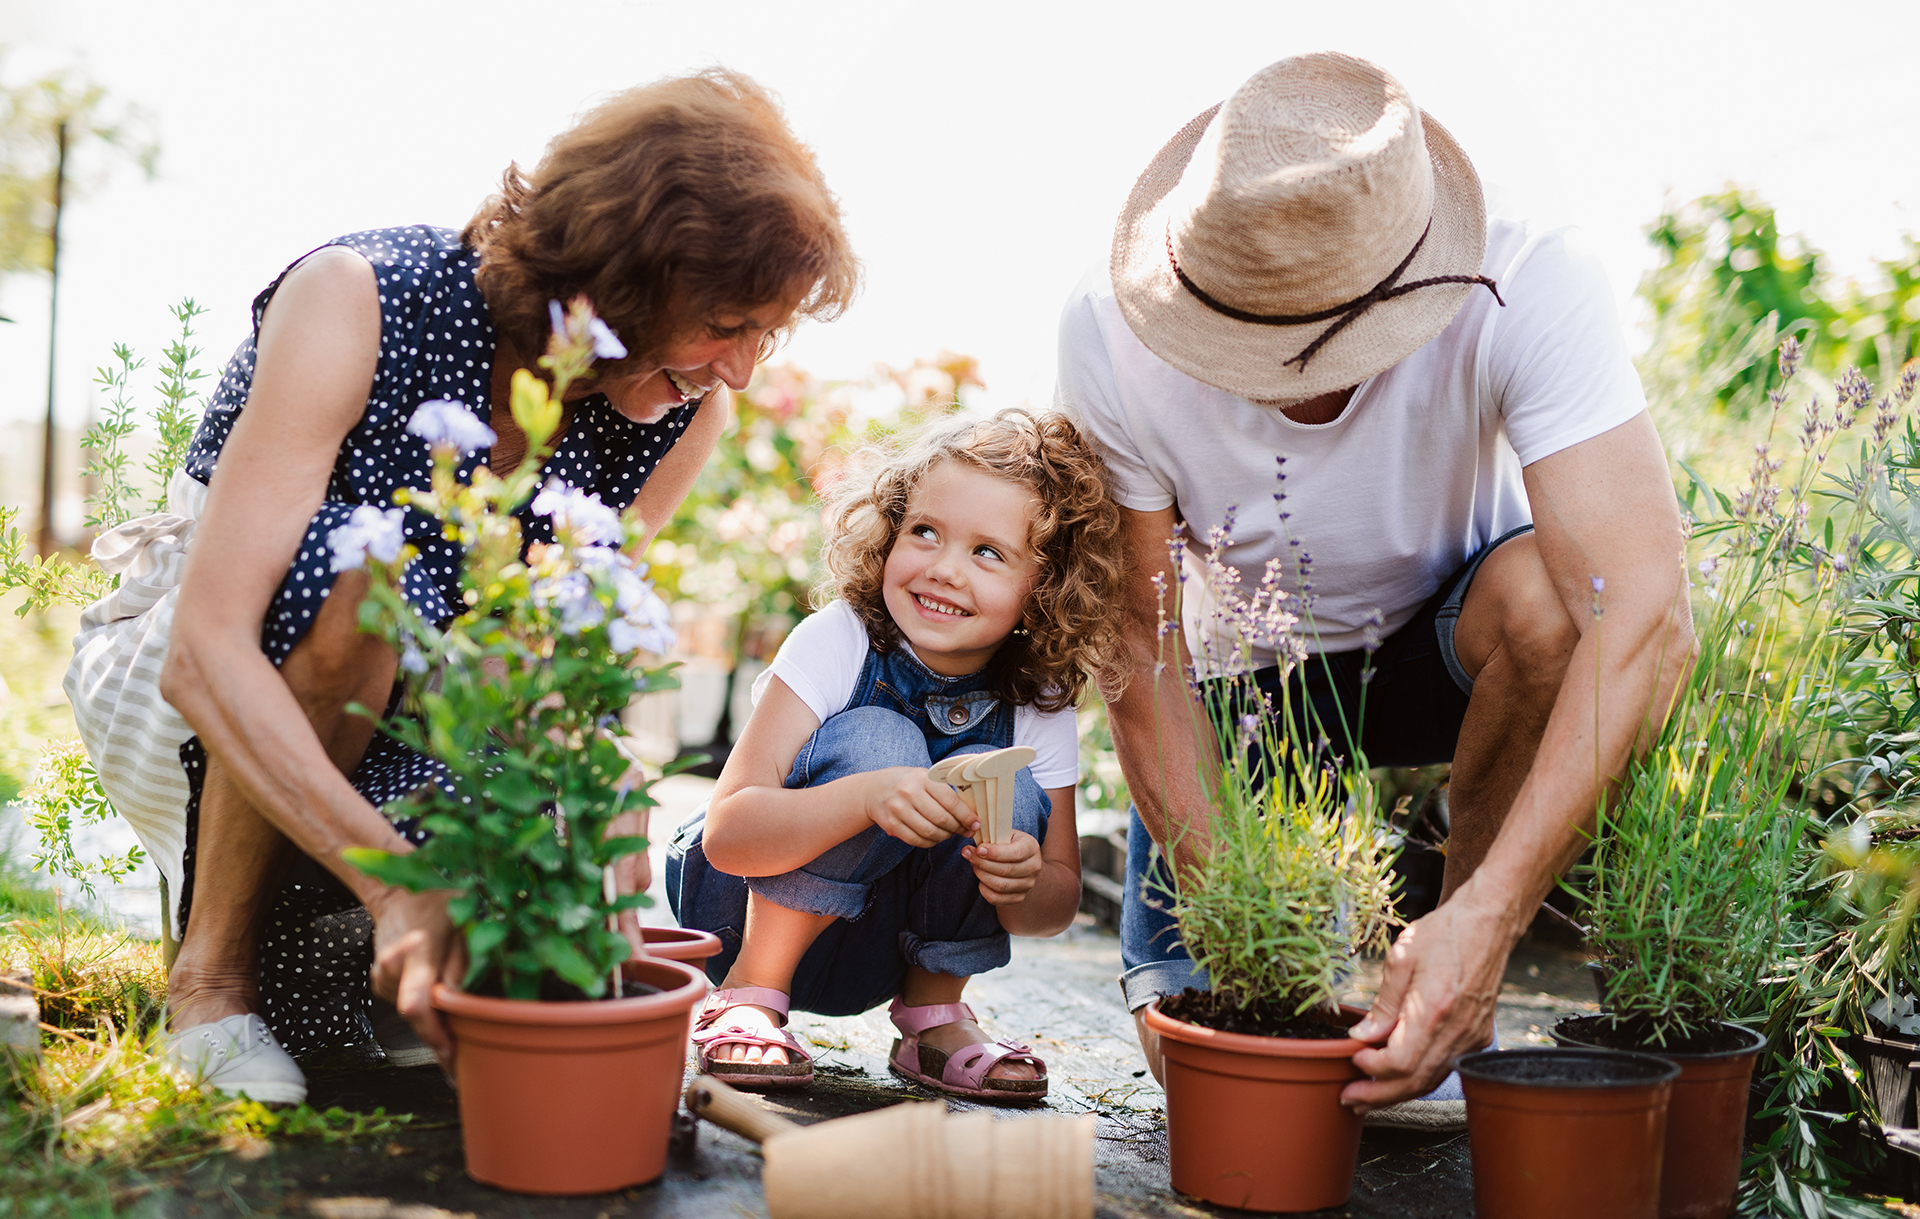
(1421, 470)
(821, 660)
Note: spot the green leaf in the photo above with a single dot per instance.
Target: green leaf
(408, 871)
(483, 938)
(558, 954)
(619, 848)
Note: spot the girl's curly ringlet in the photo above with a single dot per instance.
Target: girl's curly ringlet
(1072, 618)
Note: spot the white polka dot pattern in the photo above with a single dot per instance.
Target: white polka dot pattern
(437, 341)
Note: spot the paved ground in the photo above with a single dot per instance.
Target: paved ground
(1059, 995)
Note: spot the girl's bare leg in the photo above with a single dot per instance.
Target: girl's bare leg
(922, 989)
(770, 950)
(240, 856)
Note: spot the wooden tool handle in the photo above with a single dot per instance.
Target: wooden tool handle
(721, 1105)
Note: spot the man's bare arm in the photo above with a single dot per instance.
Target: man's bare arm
(1610, 537)
(1157, 729)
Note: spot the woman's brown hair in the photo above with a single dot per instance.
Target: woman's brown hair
(1072, 622)
(665, 206)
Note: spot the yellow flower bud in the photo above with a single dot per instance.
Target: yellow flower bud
(536, 413)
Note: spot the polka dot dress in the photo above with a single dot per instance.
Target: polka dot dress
(436, 341)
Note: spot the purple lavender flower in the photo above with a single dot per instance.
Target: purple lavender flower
(446, 423)
(579, 515)
(369, 533)
(606, 344)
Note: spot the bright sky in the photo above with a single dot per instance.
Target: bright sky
(981, 150)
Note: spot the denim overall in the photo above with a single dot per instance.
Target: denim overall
(896, 905)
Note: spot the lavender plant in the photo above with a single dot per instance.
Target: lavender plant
(519, 696)
(1687, 890)
(1298, 878)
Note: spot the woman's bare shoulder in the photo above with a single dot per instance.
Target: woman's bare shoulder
(332, 279)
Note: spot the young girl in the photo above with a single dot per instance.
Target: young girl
(978, 575)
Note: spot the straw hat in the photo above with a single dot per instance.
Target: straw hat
(1312, 230)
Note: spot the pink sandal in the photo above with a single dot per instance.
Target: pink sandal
(963, 1073)
(709, 1035)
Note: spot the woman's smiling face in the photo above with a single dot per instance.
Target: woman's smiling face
(694, 364)
(958, 577)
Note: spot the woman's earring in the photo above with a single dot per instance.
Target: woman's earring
(1020, 630)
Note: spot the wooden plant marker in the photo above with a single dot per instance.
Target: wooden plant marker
(986, 782)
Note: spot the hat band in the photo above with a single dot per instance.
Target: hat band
(1386, 289)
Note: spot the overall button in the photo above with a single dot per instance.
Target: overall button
(956, 715)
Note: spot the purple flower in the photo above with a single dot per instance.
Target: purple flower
(1599, 585)
(368, 533)
(445, 423)
(571, 598)
(581, 516)
(606, 344)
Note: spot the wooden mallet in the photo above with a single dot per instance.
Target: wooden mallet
(912, 1161)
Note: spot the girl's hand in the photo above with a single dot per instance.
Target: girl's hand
(907, 805)
(1008, 871)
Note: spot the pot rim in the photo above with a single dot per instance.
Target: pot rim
(679, 993)
(1473, 1066)
(1756, 1041)
(676, 935)
(1249, 1043)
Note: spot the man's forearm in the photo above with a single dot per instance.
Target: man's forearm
(1160, 737)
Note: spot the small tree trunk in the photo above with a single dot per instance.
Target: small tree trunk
(45, 540)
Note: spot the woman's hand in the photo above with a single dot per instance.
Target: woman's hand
(632, 873)
(907, 805)
(1008, 871)
(414, 946)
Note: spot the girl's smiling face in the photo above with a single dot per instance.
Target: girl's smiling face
(958, 577)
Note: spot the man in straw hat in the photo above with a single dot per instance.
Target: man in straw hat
(1468, 479)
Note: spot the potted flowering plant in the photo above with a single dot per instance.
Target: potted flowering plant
(1688, 887)
(1298, 882)
(570, 1055)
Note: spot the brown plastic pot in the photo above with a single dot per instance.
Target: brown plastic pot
(1256, 1122)
(572, 1098)
(680, 943)
(1576, 1134)
(1706, 1120)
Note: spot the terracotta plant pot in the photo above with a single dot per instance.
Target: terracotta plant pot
(680, 943)
(1256, 1122)
(1706, 1120)
(572, 1098)
(1576, 1134)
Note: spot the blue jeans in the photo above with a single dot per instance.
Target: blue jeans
(894, 904)
(1415, 700)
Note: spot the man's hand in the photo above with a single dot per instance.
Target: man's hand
(907, 805)
(1008, 871)
(414, 946)
(1435, 1003)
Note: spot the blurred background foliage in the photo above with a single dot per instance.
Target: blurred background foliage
(746, 542)
(1729, 285)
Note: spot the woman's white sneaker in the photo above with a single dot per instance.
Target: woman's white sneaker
(237, 1056)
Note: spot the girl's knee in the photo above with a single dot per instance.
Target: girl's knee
(858, 740)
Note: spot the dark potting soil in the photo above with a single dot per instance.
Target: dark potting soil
(1568, 1068)
(1264, 1019)
(553, 990)
(1636, 1033)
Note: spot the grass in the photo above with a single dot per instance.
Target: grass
(100, 1121)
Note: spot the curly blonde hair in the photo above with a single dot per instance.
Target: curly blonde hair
(1072, 615)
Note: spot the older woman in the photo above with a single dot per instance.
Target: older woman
(700, 229)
